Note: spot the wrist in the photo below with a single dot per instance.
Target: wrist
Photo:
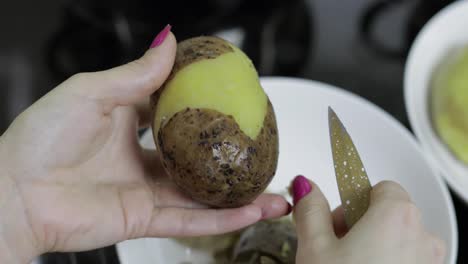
(17, 243)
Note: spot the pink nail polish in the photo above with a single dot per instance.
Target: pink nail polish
(159, 39)
(301, 187)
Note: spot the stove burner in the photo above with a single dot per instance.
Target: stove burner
(277, 34)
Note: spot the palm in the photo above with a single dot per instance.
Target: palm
(88, 183)
(94, 171)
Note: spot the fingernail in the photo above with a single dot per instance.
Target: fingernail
(159, 39)
(301, 187)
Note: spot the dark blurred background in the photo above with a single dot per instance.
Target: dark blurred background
(359, 45)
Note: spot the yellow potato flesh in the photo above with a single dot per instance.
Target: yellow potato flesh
(450, 105)
(228, 84)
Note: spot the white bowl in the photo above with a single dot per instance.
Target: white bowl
(388, 151)
(446, 31)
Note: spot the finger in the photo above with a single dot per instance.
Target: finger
(339, 223)
(438, 248)
(176, 222)
(153, 164)
(144, 113)
(168, 195)
(273, 205)
(312, 214)
(165, 192)
(388, 191)
(129, 83)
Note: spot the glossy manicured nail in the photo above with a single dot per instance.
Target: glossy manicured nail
(301, 187)
(159, 39)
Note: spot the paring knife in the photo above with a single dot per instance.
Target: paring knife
(353, 184)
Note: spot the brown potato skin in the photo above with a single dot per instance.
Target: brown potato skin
(213, 161)
(205, 152)
(267, 238)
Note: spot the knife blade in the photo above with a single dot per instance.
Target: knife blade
(351, 176)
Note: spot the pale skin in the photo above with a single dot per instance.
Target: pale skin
(390, 232)
(75, 178)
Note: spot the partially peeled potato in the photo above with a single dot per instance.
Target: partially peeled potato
(214, 126)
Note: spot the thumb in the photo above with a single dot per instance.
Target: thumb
(311, 214)
(132, 82)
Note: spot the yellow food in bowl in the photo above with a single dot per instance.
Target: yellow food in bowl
(449, 103)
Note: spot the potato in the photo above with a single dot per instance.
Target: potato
(271, 241)
(448, 102)
(214, 126)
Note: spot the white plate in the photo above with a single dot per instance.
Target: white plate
(444, 32)
(387, 149)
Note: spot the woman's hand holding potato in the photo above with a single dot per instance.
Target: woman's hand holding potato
(75, 178)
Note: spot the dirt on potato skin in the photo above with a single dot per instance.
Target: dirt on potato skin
(213, 161)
